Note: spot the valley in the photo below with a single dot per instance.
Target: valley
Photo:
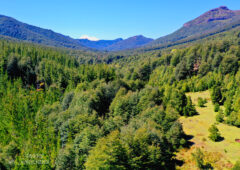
(167, 103)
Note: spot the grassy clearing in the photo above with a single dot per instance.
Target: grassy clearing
(222, 154)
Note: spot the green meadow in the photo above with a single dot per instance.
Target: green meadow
(221, 154)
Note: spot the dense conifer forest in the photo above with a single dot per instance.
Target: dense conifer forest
(65, 109)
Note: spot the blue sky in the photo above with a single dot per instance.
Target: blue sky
(110, 19)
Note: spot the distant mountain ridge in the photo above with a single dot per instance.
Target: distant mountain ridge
(211, 22)
(130, 43)
(13, 28)
(100, 44)
(117, 44)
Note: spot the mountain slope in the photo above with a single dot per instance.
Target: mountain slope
(21, 31)
(213, 21)
(130, 43)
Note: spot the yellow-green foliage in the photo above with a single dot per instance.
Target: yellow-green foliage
(107, 151)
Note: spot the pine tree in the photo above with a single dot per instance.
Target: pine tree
(214, 133)
(189, 109)
(216, 95)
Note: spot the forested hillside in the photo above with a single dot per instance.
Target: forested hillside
(13, 28)
(62, 109)
(212, 22)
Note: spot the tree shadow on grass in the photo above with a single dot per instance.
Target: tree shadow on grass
(188, 143)
(179, 162)
(192, 115)
(220, 139)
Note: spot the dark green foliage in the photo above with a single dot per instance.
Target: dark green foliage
(234, 119)
(65, 159)
(228, 107)
(178, 100)
(189, 109)
(216, 107)
(12, 67)
(216, 95)
(2, 166)
(103, 98)
(217, 60)
(67, 100)
(181, 71)
(220, 117)
(214, 133)
(201, 102)
(83, 143)
(144, 72)
(175, 134)
(204, 69)
(229, 64)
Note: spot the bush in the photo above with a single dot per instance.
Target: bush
(220, 117)
(216, 107)
(198, 156)
(201, 102)
(236, 166)
(189, 109)
(214, 133)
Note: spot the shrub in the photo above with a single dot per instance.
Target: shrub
(216, 107)
(189, 109)
(236, 166)
(198, 156)
(220, 117)
(214, 133)
(201, 102)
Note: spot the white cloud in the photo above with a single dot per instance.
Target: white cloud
(89, 38)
